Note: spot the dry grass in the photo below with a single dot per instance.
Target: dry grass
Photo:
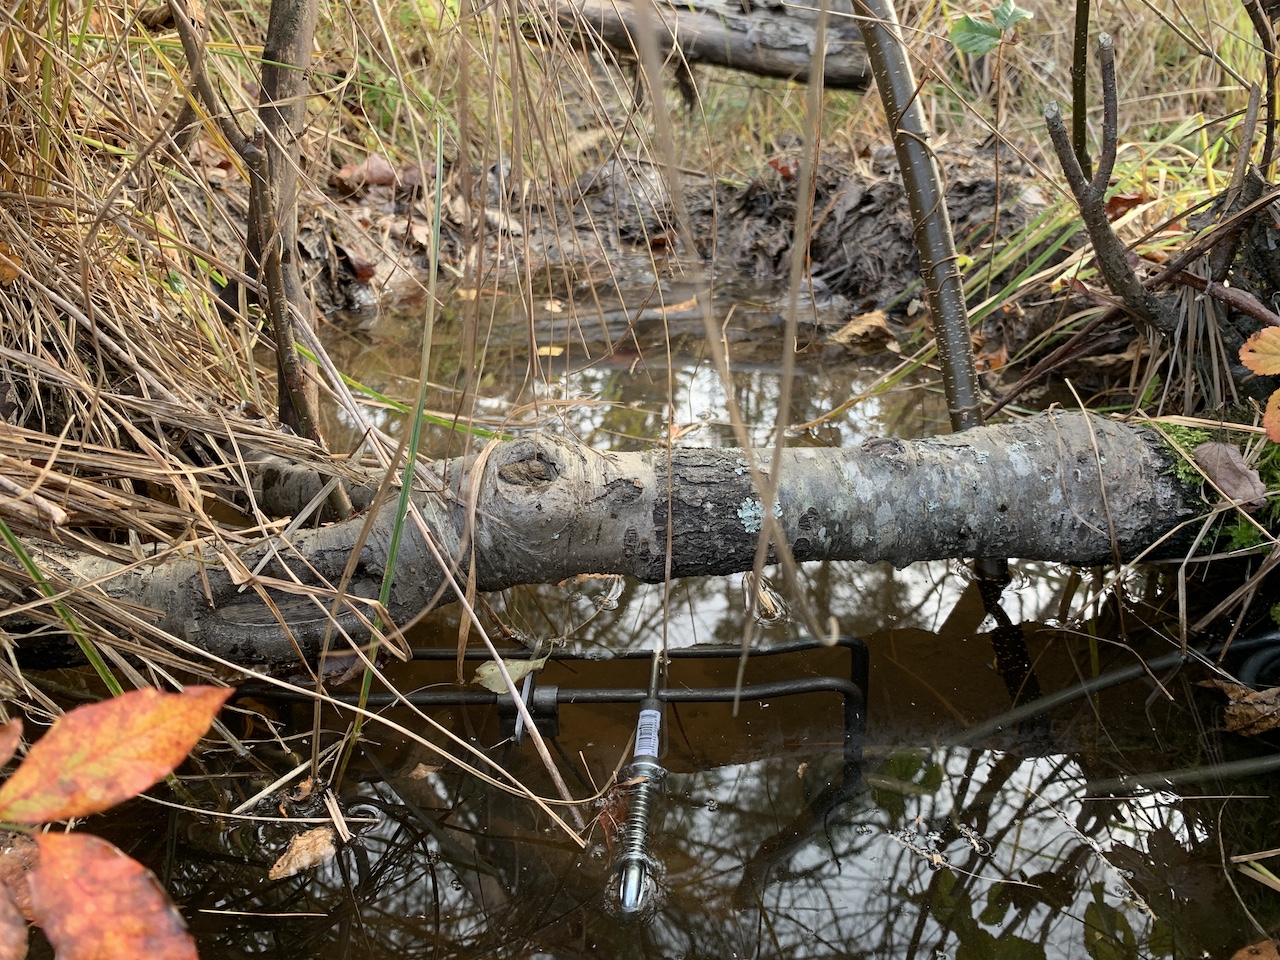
(132, 408)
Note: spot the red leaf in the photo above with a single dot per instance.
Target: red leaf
(1121, 203)
(13, 930)
(96, 756)
(95, 903)
(1261, 352)
(10, 734)
(786, 166)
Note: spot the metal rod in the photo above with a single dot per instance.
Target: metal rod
(635, 878)
(717, 651)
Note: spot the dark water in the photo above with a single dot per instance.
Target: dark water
(952, 837)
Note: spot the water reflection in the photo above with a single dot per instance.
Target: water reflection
(952, 852)
(769, 844)
(626, 376)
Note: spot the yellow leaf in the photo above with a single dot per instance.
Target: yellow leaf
(1261, 353)
(489, 674)
(10, 264)
(550, 351)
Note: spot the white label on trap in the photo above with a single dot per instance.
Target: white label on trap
(647, 733)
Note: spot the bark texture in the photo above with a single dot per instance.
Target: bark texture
(1062, 487)
(768, 39)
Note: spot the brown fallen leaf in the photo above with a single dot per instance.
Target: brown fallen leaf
(374, 171)
(684, 306)
(18, 857)
(209, 159)
(1262, 950)
(867, 331)
(992, 359)
(1121, 203)
(1224, 465)
(10, 263)
(305, 850)
(1250, 711)
(1117, 364)
(788, 167)
(13, 930)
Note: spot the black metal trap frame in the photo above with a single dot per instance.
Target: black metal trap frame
(645, 773)
(544, 700)
(634, 869)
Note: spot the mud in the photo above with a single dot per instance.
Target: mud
(366, 244)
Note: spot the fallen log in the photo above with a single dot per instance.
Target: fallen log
(769, 39)
(1063, 487)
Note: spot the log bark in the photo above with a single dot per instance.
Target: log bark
(1062, 487)
(765, 39)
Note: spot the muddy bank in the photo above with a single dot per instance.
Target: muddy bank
(364, 240)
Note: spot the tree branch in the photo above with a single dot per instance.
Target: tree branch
(547, 509)
(1090, 197)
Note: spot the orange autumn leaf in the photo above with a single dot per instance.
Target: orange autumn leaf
(95, 903)
(10, 735)
(1271, 418)
(18, 856)
(1261, 352)
(97, 756)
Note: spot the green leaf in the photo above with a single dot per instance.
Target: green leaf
(975, 36)
(1008, 14)
(998, 903)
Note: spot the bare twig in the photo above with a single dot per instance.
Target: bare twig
(1242, 300)
(1267, 37)
(1090, 196)
(193, 48)
(1244, 190)
(266, 246)
(1080, 86)
(295, 410)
